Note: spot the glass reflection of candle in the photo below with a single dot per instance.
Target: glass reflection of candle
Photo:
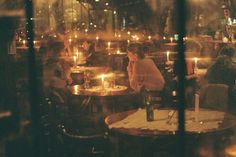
(171, 39)
(195, 62)
(168, 56)
(108, 45)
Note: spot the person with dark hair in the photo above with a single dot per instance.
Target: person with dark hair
(142, 72)
(223, 70)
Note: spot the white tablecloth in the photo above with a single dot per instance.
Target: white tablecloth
(205, 120)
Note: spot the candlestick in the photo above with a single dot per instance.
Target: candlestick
(168, 56)
(196, 103)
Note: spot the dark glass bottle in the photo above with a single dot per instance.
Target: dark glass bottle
(149, 108)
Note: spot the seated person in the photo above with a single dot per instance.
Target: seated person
(56, 71)
(142, 72)
(223, 70)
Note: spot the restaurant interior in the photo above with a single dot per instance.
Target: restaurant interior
(118, 78)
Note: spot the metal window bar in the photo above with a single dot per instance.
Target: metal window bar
(181, 12)
(33, 82)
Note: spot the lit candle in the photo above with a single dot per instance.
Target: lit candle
(195, 62)
(76, 36)
(34, 42)
(108, 45)
(76, 89)
(168, 56)
(97, 38)
(164, 38)
(128, 41)
(75, 58)
(149, 37)
(128, 32)
(118, 51)
(174, 93)
(70, 40)
(24, 42)
(102, 79)
(171, 39)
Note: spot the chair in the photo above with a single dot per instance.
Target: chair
(81, 142)
(214, 96)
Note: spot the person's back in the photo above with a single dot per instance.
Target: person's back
(148, 75)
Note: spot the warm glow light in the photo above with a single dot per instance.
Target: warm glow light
(195, 61)
(70, 40)
(34, 42)
(171, 39)
(128, 32)
(174, 93)
(114, 12)
(168, 56)
(128, 41)
(149, 37)
(108, 45)
(86, 30)
(75, 58)
(76, 36)
(118, 51)
(107, 3)
(97, 37)
(76, 89)
(119, 35)
(24, 42)
(164, 38)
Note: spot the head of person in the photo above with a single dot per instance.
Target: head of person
(227, 51)
(135, 52)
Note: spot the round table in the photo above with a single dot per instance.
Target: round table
(161, 134)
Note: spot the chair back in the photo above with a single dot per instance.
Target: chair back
(214, 96)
